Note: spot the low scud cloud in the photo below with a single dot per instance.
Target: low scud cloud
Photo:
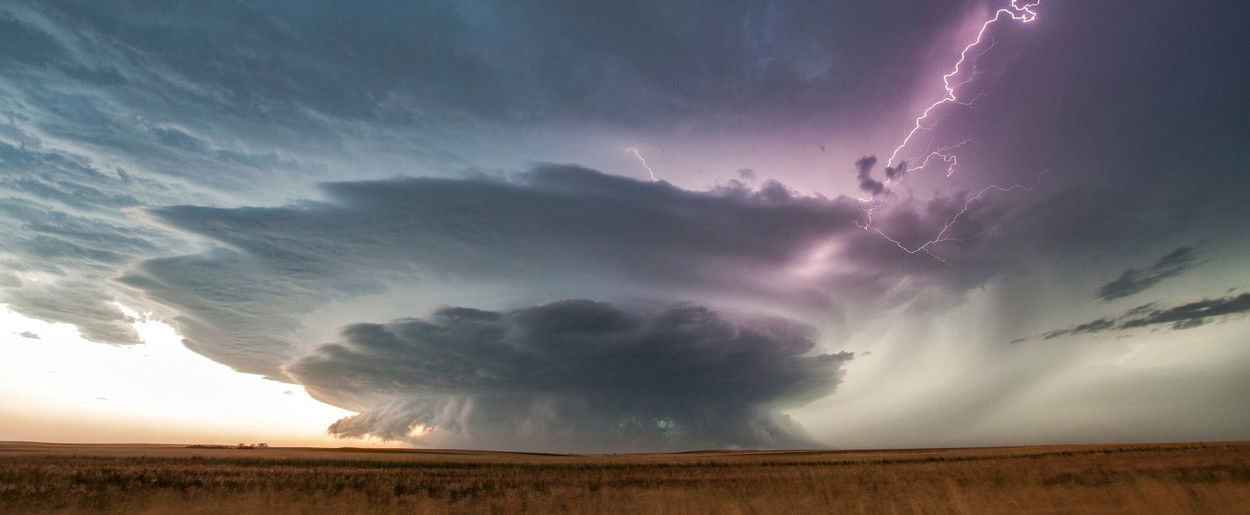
(573, 374)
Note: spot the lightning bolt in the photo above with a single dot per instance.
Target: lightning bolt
(1021, 12)
(1018, 10)
(643, 160)
(944, 234)
(945, 155)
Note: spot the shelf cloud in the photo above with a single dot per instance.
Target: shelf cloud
(574, 374)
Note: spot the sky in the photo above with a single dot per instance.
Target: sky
(605, 227)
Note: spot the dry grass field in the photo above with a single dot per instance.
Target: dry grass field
(1162, 478)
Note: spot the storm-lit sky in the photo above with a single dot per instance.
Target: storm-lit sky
(435, 223)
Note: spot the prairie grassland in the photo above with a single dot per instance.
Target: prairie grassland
(1159, 478)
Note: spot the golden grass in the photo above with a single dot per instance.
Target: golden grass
(1163, 478)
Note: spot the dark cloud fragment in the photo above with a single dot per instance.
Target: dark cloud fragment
(1184, 316)
(866, 182)
(1101, 324)
(896, 172)
(1134, 281)
(574, 375)
(1050, 335)
(864, 166)
(1192, 314)
(1137, 310)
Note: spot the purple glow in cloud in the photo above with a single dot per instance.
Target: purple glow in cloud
(952, 81)
(1022, 13)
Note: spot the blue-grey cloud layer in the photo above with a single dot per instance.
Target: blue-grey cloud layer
(106, 108)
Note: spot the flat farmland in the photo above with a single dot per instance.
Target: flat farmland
(1154, 478)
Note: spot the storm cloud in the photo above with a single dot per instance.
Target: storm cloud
(574, 374)
(554, 231)
(268, 178)
(560, 231)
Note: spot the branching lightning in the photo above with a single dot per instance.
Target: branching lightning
(643, 160)
(1023, 13)
(944, 234)
(1018, 10)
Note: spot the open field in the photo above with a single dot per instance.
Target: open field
(1157, 478)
